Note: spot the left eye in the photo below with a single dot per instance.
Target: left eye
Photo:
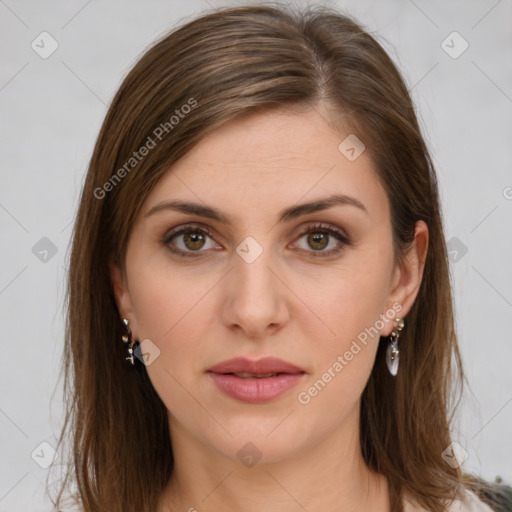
(319, 237)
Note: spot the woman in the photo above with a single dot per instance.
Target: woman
(260, 313)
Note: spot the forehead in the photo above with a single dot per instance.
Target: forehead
(270, 159)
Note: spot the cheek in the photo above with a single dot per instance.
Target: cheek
(165, 300)
(352, 308)
(162, 294)
(171, 311)
(344, 361)
(355, 299)
(174, 314)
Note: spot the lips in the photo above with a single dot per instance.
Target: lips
(255, 381)
(266, 365)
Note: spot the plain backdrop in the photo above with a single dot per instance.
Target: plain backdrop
(456, 58)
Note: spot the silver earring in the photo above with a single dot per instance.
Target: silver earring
(392, 352)
(127, 339)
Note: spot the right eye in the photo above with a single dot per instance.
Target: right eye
(190, 239)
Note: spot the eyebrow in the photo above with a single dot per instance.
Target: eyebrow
(288, 214)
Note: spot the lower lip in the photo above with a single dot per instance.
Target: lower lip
(255, 390)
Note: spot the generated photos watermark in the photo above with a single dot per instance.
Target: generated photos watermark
(152, 140)
(305, 396)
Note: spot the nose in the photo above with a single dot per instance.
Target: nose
(255, 298)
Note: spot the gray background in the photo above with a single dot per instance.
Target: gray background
(52, 110)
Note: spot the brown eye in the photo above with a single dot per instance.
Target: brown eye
(318, 241)
(187, 240)
(193, 240)
(318, 237)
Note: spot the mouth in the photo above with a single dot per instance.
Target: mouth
(255, 381)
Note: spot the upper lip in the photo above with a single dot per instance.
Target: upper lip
(263, 365)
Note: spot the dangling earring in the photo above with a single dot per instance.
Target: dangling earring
(392, 352)
(132, 345)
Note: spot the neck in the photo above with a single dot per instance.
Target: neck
(332, 475)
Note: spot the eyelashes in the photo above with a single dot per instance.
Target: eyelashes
(195, 233)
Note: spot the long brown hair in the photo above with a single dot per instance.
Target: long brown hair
(209, 71)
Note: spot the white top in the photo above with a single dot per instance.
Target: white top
(471, 503)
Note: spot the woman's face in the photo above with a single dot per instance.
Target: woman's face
(259, 283)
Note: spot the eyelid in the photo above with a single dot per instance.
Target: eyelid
(323, 226)
(188, 226)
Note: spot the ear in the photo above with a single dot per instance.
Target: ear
(408, 275)
(121, 293)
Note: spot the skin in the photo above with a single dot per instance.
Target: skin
(287, 303)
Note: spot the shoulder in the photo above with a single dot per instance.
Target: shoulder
(469, 503)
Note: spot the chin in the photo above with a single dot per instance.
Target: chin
(259, 441)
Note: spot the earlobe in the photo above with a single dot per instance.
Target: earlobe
(408, 276)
